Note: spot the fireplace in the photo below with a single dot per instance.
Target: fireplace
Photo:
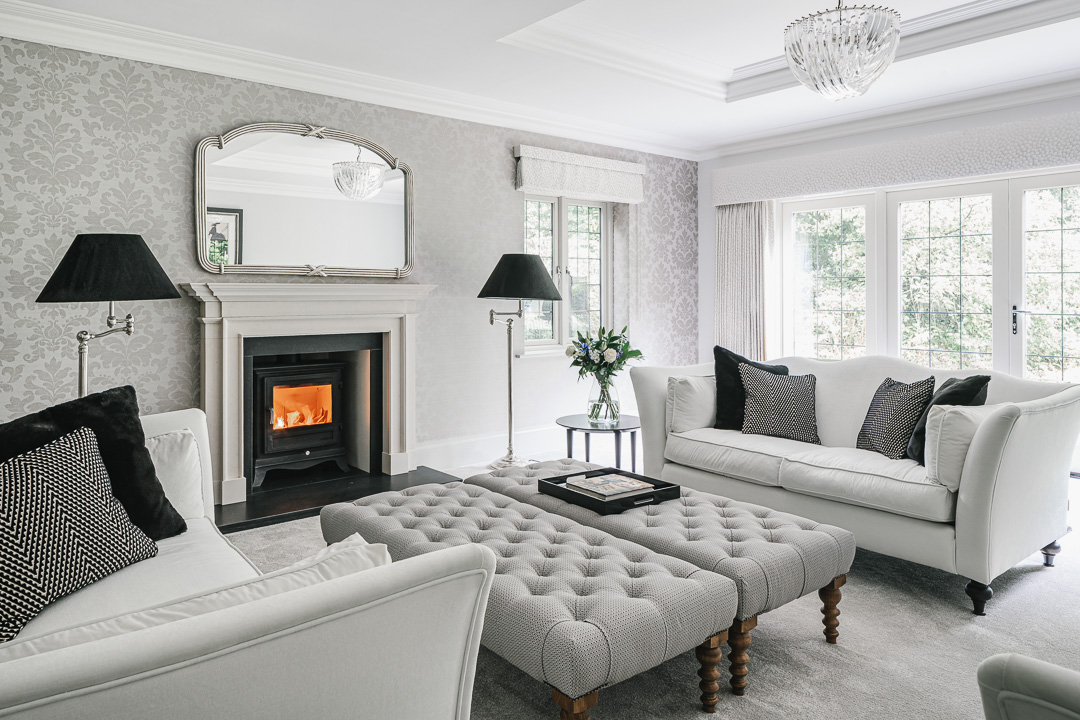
(295, 404)
(313, 409)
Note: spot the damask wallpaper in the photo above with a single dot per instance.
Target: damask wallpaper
(98, 144)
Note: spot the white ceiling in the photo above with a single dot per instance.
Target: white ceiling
(692, 78)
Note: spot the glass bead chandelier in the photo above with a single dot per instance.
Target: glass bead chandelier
(359, 180)
(840, 53)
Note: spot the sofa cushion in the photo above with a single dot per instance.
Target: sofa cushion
(113, 415)
(60, 527)
(753, 458)
(198, 561)
(343, 558)
(177, 463)
(954, 391)
(691, 403)
(730, 395)
(779, 405)
(949, 431)
(869, 479)
(892, 416)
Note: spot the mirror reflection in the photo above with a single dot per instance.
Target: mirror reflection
(285, 199)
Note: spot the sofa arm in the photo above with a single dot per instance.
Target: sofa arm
(650, 391)
(1015, 687)
(395, 641)
(1014, 490)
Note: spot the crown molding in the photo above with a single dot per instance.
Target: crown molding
(598, 45)
(966, 24)
(1045, 88)
(62, 28)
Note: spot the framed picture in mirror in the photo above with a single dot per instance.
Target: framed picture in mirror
(225, 236)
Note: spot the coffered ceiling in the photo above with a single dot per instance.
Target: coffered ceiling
(691, 78)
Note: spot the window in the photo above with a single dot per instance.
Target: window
(825, 280)
(1051, 281)
(573, 239)
(946, 282)
(829, 285)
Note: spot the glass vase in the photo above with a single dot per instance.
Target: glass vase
(603, 408)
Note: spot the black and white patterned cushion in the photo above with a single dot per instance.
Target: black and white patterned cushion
(60, 527)
(779, 405)
(893, 414)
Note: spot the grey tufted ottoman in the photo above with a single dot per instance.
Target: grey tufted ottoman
(570, 605)
(773, 557)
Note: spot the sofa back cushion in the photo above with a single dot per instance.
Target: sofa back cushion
(179, 468)
(691, 403)
(949, 431)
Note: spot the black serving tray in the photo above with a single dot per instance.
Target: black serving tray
(556, 487)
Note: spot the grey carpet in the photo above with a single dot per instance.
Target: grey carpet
(909, 645)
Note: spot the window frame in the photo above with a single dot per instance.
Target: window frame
(893, 270)
(788, 210)
(560, 240)
(1017, 270)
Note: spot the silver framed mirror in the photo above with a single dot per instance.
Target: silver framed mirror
(296, 199)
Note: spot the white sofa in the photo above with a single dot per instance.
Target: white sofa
(1015, 687)
(1012, 498)
(398, 640)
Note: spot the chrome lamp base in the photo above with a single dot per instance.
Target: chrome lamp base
(508, 460)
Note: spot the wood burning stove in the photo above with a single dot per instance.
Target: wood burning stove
(298, 417)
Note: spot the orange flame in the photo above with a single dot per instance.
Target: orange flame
(301, 405)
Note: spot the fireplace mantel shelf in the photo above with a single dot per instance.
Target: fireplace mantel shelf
(231, 312)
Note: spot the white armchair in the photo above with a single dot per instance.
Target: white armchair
(1015, 687)
(399, 640)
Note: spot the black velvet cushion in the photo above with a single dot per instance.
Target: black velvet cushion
(954, 391)
(113, 415)
(730, 394)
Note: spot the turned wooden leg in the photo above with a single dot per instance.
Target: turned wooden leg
(1049, 553)
(575, 709)
(709, 654)
(979, 594)
(739, 642)
(830, 596)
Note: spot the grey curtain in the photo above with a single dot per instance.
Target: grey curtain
(744, 240)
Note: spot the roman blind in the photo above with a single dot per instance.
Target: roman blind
(562, 174)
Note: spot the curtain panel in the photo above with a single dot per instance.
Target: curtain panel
(562, 174)
(745, 235)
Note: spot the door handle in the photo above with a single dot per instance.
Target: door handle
(1016, 312)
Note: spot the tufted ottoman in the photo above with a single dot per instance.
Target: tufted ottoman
(570, 605)
(773, 557)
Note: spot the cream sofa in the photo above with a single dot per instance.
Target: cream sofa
(1012, 498)
(1015, 687)
(398, 640)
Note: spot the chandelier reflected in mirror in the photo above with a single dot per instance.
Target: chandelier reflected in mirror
(357, 179)
(840, 53)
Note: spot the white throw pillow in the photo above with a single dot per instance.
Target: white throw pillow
(351, 555)
(691, 403)
(949, 431)
(179, 468)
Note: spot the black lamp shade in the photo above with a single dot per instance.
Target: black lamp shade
(106, 268)
(520, 276)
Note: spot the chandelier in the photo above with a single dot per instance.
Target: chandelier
(358, 180)
(840, 53)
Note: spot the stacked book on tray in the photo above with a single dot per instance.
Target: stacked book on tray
(608, 487)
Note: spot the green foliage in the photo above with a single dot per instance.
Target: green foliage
(602, 356)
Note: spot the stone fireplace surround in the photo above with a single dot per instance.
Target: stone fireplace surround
(231, 312)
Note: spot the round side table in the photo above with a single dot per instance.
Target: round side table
(581, 424)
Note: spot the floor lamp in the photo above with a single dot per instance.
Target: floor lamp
(521, 277)
(106, 268)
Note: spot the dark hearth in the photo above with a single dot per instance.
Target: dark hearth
(299, 409)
